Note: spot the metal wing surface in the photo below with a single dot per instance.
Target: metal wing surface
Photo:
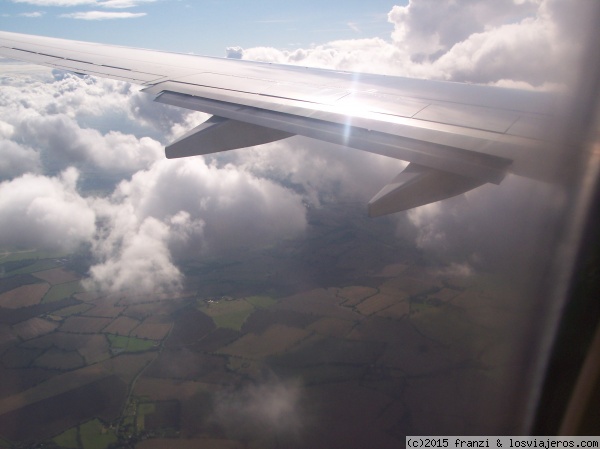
(455, 136)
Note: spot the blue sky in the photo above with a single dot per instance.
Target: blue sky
(203, 27)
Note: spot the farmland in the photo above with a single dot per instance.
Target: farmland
(347, 352)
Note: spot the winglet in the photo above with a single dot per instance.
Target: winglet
(221, 134)
(417, 186)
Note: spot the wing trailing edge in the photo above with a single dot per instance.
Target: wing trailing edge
(221, 134)
(417, 186)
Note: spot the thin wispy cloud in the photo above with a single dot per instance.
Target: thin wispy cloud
(121, 4)
(102, 15)
(354, 27)
(116, 4)
(56, 2)
(32, 14)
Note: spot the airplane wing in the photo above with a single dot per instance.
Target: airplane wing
(455, 136)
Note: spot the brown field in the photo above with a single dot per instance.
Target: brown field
(406, 348)
(104, 311)
(26, 295)
(204, 443)
(93, 347)
(50, 416)
(153, 331)
(166, 415)
(185, 364)
(34, 327)
(87, 296)
(332, 327)
(127, 366)
(168, 389)
(216, 339)
(62, 360)
(274, 340)
(11, 282)
(330, 350)
(61, 340)
(96, 349)
(13, 316)
(261, 319)
(19, 357)
(143, 311)
(190, 327)
(380, 301)
(56, 276)
(54, 386)
(17, 380)
(340, 414)
(6, 334)
(354, 295)
(121, 326)
(84, 325)
(396, 311)
(73, 310)
(317, 302)
(444, 295)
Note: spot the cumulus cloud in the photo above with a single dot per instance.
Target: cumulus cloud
(102, 15)
(17, 159)
(59, 137)
(44, 212)
(163, 212)
(534, 43)
(184, 209)
(142, 263)
(265, 412)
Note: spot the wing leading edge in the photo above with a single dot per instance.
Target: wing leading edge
(456, 137)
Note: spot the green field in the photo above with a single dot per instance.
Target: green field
(261, 302)
(67, 439)
(13, 255)
(62, 291)
(130, 344)
(144, 409)
(229, 314)
(30, 266)
(94, 435)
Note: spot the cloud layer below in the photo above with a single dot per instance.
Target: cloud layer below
(60, 133)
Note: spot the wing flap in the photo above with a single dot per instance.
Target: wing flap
(221, 134)
(417, 186)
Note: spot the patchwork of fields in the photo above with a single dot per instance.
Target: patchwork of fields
(346, 365)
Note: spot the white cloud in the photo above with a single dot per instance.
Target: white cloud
(56, 2)
(117, 4)
(42, 212)
(166, 211)
(102, 15)
(16, 159)
(32, 14)
(179, 209)
(142, 264)
(535, 43)
(267, 411)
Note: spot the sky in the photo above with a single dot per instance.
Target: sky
(204, 27)
(60, 133)
(82, 159)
